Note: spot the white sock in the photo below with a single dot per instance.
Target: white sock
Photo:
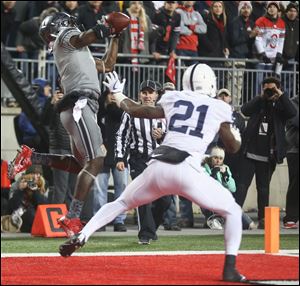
(105, 215)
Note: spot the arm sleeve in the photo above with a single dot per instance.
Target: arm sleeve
(259, 39)
(201, 27)
(228, 181)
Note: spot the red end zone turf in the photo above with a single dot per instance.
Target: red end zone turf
(146, 270)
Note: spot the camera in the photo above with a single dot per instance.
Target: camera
(32, 185)
(269, 92)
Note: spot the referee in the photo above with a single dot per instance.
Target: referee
(142, 136)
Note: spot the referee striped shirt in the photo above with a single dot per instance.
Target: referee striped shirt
(137, 134)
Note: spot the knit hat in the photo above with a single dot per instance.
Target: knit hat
(276, 3)
(292, 5)
(242, 4)
(217, 152)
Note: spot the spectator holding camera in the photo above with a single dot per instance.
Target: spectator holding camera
(263, 142)
(26, 194)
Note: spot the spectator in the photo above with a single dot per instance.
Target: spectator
(258, 9)
(60, 144)
(142, 136)
(263, 144)
(203, 7)
(191, 25)
(25, 196)
(241, 37)
(37, 7)
(22, 14)
(150, 7)
(292, 197)
(109, 119)
(269, 41)
(232, 10)
(168, 22)
(5, 186)
(110, 6)
(135, 40)
(215, 167)
(88, 15)
(8, 14)
(30, 136)
(28, 41)
(214, 43)
(291, 42)
(70, 7)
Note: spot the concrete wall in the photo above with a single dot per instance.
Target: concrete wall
(279, 181)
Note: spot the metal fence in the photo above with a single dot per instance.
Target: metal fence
(241, 76)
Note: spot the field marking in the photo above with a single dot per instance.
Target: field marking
(287, 252)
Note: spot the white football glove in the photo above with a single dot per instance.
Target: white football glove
(236, 133)
(113, 83)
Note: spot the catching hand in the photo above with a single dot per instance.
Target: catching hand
(113, 83)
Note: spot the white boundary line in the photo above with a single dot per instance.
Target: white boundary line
(288, 252)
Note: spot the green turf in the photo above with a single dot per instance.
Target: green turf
(129, 243)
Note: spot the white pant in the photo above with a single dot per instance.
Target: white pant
(160, 179)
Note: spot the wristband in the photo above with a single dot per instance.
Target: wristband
(119, 97)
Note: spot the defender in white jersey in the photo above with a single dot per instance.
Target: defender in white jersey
(194, 118)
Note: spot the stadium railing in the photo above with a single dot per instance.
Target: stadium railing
(240, 76)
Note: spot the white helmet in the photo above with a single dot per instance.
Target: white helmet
(200, 77)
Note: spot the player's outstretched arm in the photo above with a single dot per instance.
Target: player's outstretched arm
(100, 31)
(141, 111)
(230, 137)
(107, 63)
(135, 109)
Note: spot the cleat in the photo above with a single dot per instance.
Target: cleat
(232, 275)
(71, 226)
(71, 245)
(21, 162)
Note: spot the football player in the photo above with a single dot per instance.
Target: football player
(194, 117)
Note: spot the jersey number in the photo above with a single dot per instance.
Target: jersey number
(202, 110)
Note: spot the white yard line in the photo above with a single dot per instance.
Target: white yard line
(289, 252)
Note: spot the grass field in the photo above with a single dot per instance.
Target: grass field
(129, 243)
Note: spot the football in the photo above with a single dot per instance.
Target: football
(118, 21)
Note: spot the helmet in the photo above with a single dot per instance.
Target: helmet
(201, 78)
(53, 24)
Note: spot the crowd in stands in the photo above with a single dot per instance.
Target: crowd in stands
(264, 30)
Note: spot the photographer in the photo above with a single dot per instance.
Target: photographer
(263, 142)
(26, 194)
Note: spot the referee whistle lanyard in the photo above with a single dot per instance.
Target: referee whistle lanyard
(77, 110)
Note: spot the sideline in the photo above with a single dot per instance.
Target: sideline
(285, 252)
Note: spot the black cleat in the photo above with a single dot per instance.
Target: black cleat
(70, 246)
(232, 275)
